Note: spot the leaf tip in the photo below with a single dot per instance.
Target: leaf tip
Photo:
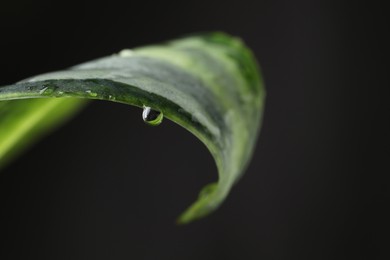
(207, 202)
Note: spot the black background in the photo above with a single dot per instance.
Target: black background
(106, 186)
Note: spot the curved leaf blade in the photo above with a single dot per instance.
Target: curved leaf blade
(209, 84)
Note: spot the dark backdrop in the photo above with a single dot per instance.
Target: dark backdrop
(106, 186)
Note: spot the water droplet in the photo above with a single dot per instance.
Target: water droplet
(46, 90)
(92, 94)
(126, 53)
(152, 117)
(42, 91)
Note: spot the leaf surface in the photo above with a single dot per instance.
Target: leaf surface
(209, 84)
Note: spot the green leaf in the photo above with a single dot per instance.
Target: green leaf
(209, 84)
(23, 121)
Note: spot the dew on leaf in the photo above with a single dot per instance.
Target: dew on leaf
(46, 90)
(152, 117)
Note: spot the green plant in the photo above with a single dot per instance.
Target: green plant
(209, 84)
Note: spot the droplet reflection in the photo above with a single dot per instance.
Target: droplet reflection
(152, 117)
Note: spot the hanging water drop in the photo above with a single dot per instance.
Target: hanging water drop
(152, 117)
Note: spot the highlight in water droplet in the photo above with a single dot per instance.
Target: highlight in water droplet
(42, 91)
(152, 117)
(126, 53)
(46, 90)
